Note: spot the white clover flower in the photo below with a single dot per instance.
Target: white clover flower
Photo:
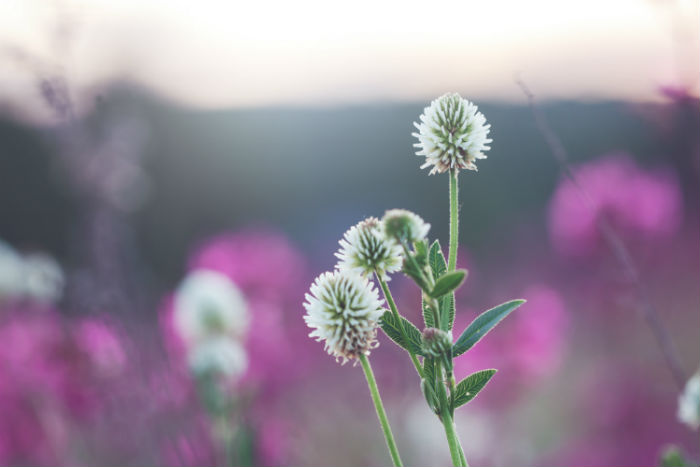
(343, 309)
(689, 403)
(452, 134)
(43, 276)
(218, 355)
(208, 303)
(364, 250)
(404, 225)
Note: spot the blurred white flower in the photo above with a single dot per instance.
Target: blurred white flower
(35, 276)
(343, 309)
(689, 403)
(404, 225)
(364, 250)
(219, 355)
(452, 134)
(207, 304)
(43, 278)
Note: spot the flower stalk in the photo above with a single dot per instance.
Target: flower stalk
(381, 413)
(454, 219)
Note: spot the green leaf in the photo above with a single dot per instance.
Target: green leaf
(469, 387)
(429, 373)
(438, 265)
(483, 324)
(394, 330)
(429, 394)
(448, 282)
(447, 312)
(428, 315)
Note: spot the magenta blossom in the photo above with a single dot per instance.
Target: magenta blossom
(634, 200)
(52, 376)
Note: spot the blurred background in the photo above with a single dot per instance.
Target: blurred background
(144, 142)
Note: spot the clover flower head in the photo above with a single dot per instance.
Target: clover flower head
(364, 250)
(437, 342)
(208, 303)
(343, 309)
(404, 225)
(219, 355)
(452, 134)
(689, 403)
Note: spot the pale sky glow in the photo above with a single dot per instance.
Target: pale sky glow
(219, 54)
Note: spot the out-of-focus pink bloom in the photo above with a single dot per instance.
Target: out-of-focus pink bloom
(540, 332)
(634, 200)
(261, 263)
(100, 342)
(51, 377)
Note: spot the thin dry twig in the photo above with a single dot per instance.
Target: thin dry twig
(613, 241)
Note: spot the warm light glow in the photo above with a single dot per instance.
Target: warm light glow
(222, 53)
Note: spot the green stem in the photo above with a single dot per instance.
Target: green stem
(461, 453)
(381, 414)
(395, 312)
(454, 220)
(452, 440)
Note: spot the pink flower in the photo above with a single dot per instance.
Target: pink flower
(52, 375)
(634, 200)
(262, 263)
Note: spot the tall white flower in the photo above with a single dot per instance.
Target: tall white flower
(689, 403)
(404, 225)
(218, 355)
(208, 303)
(452, 134)
(343, 309)
(364, 250)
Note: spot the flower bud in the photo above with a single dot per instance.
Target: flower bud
(437, 343)
(404, 225)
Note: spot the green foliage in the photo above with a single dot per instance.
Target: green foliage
(429, 394)
(438, 267)
(483, 324)
(396, 329)
(448, 282)
(428, 314)
(470, 386)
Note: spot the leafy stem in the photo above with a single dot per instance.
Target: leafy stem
(381, 413)
(395, 312)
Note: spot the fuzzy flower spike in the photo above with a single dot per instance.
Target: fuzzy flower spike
(452, 134)
(343, 309)
(365, 250)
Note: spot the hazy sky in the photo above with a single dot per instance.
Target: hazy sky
(319, 52)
